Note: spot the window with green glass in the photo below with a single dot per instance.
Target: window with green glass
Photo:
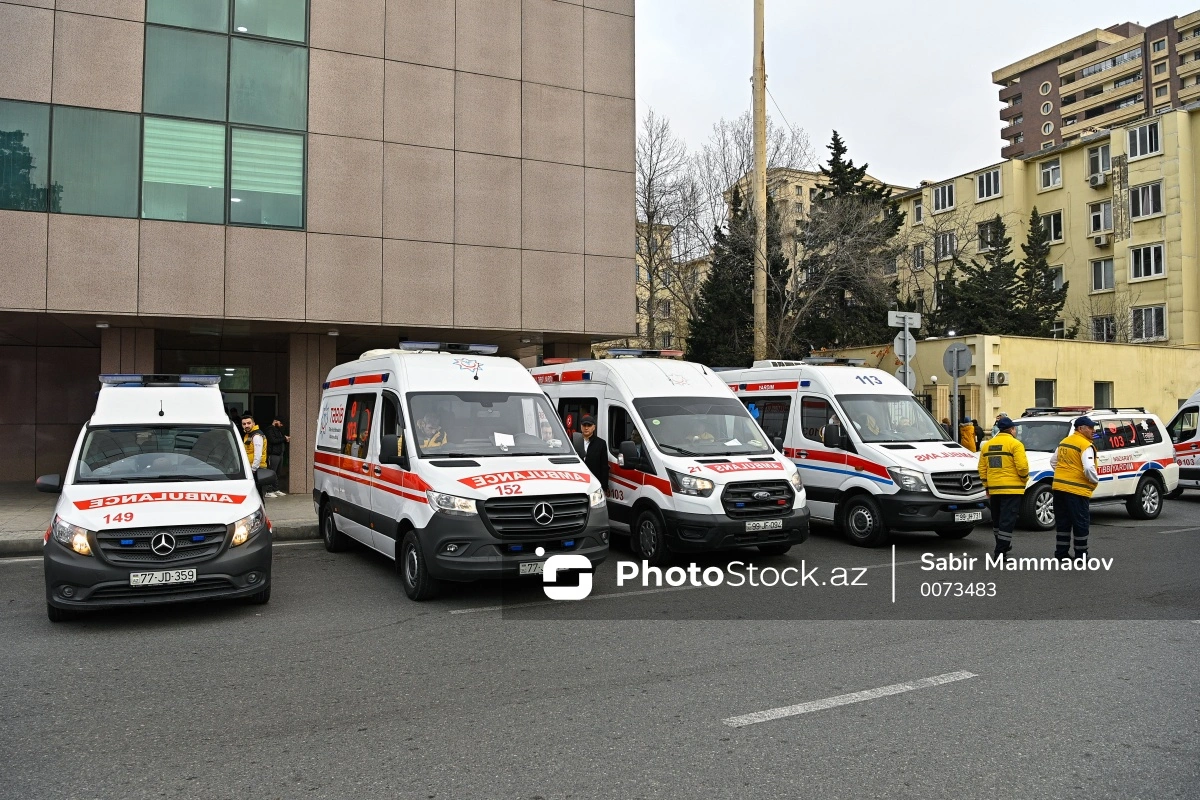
(275, 19)
(24, 152)
(266, 179)
(183, 170)
(94, 162)
(185, 73)
(268, 84)
(203, 15)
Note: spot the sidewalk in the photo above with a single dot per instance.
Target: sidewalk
(25, 514)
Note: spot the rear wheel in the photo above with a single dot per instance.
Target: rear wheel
(774, 549)
(414, 573)
(335, 540)
(958, 532)
(1146, 502)
(1037, 508)
(651, 541)
(862, 522)
(57, 614)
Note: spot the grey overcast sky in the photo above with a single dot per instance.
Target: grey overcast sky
(906, 83)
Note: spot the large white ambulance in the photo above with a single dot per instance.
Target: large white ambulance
(158, 504)
(689, 469)
(1183, 430)
(452, 463)
(873, 459)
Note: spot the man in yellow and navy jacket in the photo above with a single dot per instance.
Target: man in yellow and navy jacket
(1004, 468)
(255, 442)
(1075, 479)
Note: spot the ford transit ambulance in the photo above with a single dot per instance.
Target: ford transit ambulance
(1185, 439)
(158, 503)
(453, 463)
(873, 459)
(689, 469)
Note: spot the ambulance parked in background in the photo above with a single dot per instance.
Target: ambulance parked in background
(873, 459)
(452, 463)
(690, 470)
(1183, 432)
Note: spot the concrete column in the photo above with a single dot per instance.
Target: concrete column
(310, 358)
(128, 350)
(566, 350)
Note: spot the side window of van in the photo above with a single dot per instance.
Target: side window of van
(1116, 434)
(620, 428)
(392, 421)
(356, 434)
(572, 409)
(772, 414)
(814, 416)
(1183, 427)
(1148, 431)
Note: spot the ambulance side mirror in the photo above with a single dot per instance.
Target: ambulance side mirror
(265, 477)
(629, 455)
(51, 484)
(778, 442)
(577, 441)
(391, 451)
(834, 437)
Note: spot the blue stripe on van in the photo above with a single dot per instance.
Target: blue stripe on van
(855, 473)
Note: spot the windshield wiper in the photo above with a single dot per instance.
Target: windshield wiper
(104, 480)
(680, 450)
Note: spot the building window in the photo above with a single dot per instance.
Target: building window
(1058, 329)
(1144, 140)
(24, 155)
(1115, 61)
(943, 197)
(1053, 223)
(1100, 217)
(183, 170)
(1102, 395)
(268, 84)
(1045, 88)
(1145, 200)
(185, 73)
(1098, 160)
(1017, 120)
(1160, 68)
(274, 19)
(1047, 107)
(945, 246)
(1149, 323)
(987, 235)
(1126, 81)
(918, 260)
(94, 161)
(1146, 262)
(1161, 91)
(1159, 46)
(266, 178)
(918, 211)
(1132, 100)
(1104, 329)
(201, 15)
(1044, 393)
(892, 267)
(1020, 137)
(1056, 274)
(1048, 145)
(1015, 101)
(1051, 174)
(798, 190)
(813, 192)
(1047, 128)
(987, 185)
(1102, 274)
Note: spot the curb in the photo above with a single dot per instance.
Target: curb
(32, 546)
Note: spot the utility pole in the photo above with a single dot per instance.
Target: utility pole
(759, 184)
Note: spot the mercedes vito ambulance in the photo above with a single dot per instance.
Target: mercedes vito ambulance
(452, 463)
(158, 504)
(689, 469)
(1184, 438)
(873, 459)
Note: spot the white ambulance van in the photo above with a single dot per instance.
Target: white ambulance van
(452, 463)
(873, 459)
(1183, 432)
(158, 503)
(689, 469)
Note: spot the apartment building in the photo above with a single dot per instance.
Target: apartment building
(1099, 79)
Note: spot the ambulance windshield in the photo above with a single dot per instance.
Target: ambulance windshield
(890, 418)
(482, 424)
(701, 426)
(145, 454)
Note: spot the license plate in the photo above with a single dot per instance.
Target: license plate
(165, 576)
(968, 516)
(765, 525)
(532, 567)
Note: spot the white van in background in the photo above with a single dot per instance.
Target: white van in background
(1184, 437)
(873, 459)
(452, 463)
(690, 470)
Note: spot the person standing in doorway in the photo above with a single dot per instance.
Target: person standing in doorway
(1004, 469)
(1075, 479)
(594, 450)
(277, 440)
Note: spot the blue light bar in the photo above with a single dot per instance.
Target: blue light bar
(451, 347)
(111, 379)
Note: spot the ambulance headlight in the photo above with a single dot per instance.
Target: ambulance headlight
(71, 536)
(247, 527)
(908, 480)
(796, 482)
(449, 504)
(690, 484)
(597, 497)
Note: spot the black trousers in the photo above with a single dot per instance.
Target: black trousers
(1072, 514)
(273, 462)
(1006, 508)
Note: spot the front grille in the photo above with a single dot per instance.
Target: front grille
(205, 584)
(740, 502)
(507, 517)
(138, 553)
(951, 483)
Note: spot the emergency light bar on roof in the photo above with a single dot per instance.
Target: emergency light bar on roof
(450, 347)
(634, 352)
(825, 361)
(160, 380)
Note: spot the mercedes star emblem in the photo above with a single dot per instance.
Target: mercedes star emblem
(163, 544)
(543, 513)
(966, 482)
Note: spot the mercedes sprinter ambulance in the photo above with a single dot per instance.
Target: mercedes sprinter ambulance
(158, 504)
(689, 469)
(453, 463)
(873, 459)
(1184, 437)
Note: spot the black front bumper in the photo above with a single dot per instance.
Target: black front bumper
(98, 584)
(478, 554)
(695, 533)
(920, 511)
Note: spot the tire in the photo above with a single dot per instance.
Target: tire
(260, 598)
(960, 532)
(335, 540)
(651, 539)
(774, 549)
(1037, 508)
(1147, 501)
(862, 522)
(414, 572)
(1175, 493)
(56, 614)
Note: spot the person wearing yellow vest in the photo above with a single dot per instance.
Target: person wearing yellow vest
(966, 434)
(1075, 479)
(255, 442)
(1004, 468)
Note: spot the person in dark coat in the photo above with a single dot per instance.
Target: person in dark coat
(277, 439)
(594, 450)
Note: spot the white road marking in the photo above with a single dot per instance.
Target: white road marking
(295, 544)
(20, 560)
(1181, 530)
(845, 699)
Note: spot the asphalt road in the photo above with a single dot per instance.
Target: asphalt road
(342, 687)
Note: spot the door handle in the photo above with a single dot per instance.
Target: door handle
(378, 470)
(803, 454)
(366, 467)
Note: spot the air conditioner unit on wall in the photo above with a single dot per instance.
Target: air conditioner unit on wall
(1101, 240)
(997, 379)
(1097, 180)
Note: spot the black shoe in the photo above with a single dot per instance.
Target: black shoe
(1001, 550)
(1063, 556)
(1081, 554)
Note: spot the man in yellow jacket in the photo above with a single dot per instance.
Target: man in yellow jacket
(1075, 479)
(1004, 468)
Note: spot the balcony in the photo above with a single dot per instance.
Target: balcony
(1009, 92)
(1108, 119)
(1188, 44)
(1189, 94)
(1013, 150)
(1084, 103)
(1011, 130)
(1114, 73)
(1008, 112)
(1188, 69)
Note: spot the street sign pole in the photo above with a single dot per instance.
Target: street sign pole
(956, 360)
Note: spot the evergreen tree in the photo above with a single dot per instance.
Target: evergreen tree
(1038, 302)
(978, 296)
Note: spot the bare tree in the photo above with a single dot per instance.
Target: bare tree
(1104, 317)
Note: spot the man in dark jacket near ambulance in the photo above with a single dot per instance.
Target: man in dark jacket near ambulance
(1004, 469)
(594, 450)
